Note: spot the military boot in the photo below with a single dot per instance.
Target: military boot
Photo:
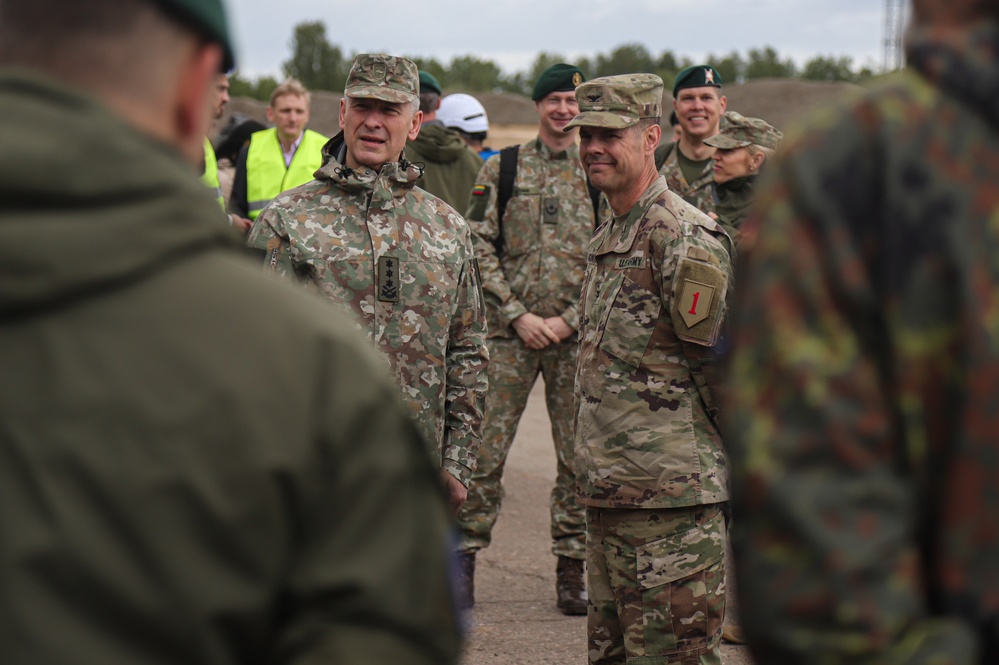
(466, 579)
(570, 586)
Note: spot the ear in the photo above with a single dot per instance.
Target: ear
(414, 129)
(756, 160)
(195, 99)
(723, 103)
(343, 111)
(270, 114)
(652, 136)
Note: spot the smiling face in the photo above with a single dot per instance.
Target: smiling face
(555, 110)
(699, 111)
(376, 131)
(290, 115)
(616, 159)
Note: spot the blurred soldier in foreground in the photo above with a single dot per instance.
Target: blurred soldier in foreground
(865, 431)
(184, 479)
(650, 465)
(699, 106)
(531, 234)
(449, 164)
(398, 259)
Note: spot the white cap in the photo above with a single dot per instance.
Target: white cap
(463, 112)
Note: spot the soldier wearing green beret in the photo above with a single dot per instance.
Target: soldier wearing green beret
(741, 149)
(699, 107)
(530, 240)
(650, 465)
(199, 463)
(449, 165)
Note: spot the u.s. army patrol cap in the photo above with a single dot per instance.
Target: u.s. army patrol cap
(617, 102)
(206, 17)
(741, 131)
(697, 76)
(385, 77)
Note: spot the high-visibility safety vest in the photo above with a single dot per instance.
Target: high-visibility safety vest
(266, 174)
(211, 175)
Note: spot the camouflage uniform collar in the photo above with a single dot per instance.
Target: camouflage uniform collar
(620, 234)
(965, 66)
(547, 153)
(399, 177)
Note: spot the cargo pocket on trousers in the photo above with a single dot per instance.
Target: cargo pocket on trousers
(682, 583)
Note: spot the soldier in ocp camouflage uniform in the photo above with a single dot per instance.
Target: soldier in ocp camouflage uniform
(532, 263)
(864, 425)
(397, 258)
(700, 109)
(649, 459)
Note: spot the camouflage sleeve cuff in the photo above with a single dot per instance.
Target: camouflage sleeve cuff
(458, 470)
(571, 317)
(510, 312)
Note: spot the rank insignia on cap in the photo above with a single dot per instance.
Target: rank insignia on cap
(709, 76)
(594, 97)
(577, 79)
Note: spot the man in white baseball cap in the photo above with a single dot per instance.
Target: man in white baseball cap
(466, 114)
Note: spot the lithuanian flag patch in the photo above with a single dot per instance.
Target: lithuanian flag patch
(479, 190)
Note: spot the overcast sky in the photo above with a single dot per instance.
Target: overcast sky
(513, 32)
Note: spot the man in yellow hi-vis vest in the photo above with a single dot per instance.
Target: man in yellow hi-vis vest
(210, 176)
(279, 158)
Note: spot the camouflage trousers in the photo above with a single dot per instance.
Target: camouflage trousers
(656, 580)
(513, 370)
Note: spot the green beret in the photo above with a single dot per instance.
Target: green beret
(207, 18)
(697, 76)
(428, 83)
(557, 78)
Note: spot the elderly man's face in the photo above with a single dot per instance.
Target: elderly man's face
(376, 131)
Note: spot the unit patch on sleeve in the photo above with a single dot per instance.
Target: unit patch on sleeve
(698, 301)
(478, 202)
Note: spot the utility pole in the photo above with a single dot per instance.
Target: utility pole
(894, 28)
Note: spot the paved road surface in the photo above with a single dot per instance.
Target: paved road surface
(515, 621)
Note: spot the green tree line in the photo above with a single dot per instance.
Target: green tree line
(320, 65)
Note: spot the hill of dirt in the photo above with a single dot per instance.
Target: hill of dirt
(512, 117)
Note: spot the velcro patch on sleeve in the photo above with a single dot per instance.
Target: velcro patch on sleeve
(478, 203)
(698, 309)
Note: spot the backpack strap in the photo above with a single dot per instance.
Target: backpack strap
(507, 176)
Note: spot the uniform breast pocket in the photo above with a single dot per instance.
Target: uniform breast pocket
(630, 322)
(520, 224)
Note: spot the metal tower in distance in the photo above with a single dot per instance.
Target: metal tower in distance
(894, 28)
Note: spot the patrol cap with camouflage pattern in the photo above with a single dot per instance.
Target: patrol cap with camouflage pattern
(741, 131)
(617, 102)
(385, 77)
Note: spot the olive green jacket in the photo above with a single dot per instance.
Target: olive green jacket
(200, 464)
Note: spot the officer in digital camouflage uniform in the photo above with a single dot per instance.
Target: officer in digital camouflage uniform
(650, 464)
(532, 263)
(397, 258)
(700, 109)
(864, 424)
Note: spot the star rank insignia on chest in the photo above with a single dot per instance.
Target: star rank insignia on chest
(388, 279)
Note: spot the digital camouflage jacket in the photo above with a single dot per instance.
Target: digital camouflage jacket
(533, 261)
(653, 303)
(400, 261)
(864, 424)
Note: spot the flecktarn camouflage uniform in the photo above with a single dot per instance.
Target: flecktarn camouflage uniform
(401, 262)
(650, 464)
(533, 262)
(864, 420)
